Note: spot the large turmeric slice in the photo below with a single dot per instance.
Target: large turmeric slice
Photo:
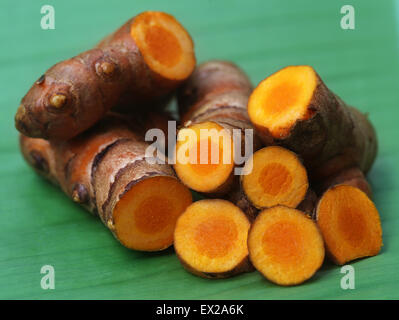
(213, 101)
(139, 65)
(285, 245)
(106, 170)
(211, 239)
(295, 109)
(350, 224)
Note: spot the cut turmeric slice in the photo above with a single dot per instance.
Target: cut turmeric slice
(277, 177)
(211, 239)
(350, 224)
(146, 215)
(285, 245)
(166, 46)
(210, 157)
(213, 98)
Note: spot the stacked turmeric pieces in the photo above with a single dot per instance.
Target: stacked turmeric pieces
(300, 193)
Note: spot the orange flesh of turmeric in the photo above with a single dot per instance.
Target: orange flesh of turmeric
(285, 245)
(215, 238)
(277, 177)
(200, 171)
(282, 99)
(164, 44)
(211, 236)
(145, 216)
(350, 224)
(209, 165)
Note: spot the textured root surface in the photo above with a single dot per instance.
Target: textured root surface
(294, 108)
(215, 96)
(285, 245)
(106, 171)
(211, 239)
(277, 177)
(350, 224)
(140, 64)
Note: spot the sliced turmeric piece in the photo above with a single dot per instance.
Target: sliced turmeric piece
(350, 224)
(276, 176)
(285, 245)
(207, 174)
(138, 66)
(293, 108)
(211, 239)
(105, 170)
(213, 98)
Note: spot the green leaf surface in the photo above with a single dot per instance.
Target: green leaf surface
(41, 226)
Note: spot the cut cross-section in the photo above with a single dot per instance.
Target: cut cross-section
(285, 245)
(277, 177)
(350, 224)
(211, 239)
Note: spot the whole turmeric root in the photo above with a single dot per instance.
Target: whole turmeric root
(213, 100)
(138, 65)
(105, 170)
(295, 109)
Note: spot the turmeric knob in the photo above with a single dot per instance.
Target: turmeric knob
(57, 100)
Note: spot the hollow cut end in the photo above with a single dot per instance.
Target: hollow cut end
(277, 177)
(166, 46)
(211, 236)
(285, 245)
(350, 224)
(204, 156)
(146, 215)
(282, 99)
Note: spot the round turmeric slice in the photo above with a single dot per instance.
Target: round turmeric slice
(211, 239)
(204, 156)
(350, 224)
(285, 245)
(274, 175)
(165, 45)
(146, 215)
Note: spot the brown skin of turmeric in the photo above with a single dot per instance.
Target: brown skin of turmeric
(106, 170)
(139, 66)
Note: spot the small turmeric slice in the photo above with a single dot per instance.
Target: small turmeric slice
(276, 176)
(350, 224)
(213, 100)
(285, 245)
(211, 239)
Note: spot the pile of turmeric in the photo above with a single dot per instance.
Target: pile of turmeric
(282, 167)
